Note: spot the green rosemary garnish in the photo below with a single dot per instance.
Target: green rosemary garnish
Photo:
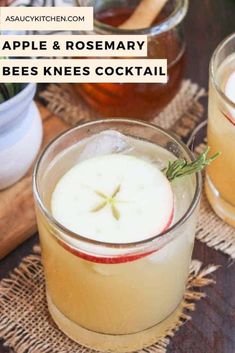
(180, 167)
(108, 200)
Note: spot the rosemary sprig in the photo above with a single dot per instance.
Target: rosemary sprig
(181, 167)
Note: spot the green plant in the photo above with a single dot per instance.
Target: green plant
(181, 167)
(9, 90)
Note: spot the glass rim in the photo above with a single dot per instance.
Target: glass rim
(171, 21)
(213, 78)
(120, 246)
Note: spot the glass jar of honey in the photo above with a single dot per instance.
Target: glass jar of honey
(165, 41)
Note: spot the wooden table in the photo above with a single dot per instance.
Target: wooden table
(212, 329)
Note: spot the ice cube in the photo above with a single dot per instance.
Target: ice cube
(105, 142)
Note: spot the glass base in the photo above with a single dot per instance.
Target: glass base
(113, 343)
(222, 208)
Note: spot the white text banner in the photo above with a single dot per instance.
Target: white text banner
(80, 70)
(46, 18)
(73, 45)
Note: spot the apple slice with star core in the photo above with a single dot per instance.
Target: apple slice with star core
(115, 199)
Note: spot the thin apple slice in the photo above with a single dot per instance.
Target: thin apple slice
(116, 259)
(230, 87)
(116, 199)
(230, 93)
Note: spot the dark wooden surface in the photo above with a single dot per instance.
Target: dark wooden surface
(212, 329)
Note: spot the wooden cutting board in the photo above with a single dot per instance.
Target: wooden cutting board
(17, 216)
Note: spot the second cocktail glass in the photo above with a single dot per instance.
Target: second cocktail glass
(220, 177)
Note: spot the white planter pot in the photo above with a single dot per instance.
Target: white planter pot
(20, 135)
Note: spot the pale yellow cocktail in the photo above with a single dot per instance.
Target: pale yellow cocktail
(113, 283)
(220, 180)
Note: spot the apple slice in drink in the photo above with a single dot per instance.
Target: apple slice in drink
(230, 93)
(116, 199)
(230, 87)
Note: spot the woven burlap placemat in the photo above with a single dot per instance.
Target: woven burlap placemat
(182, 116)
(26, 326)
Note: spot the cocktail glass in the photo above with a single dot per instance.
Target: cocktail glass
(220, 176)
(115, 297)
